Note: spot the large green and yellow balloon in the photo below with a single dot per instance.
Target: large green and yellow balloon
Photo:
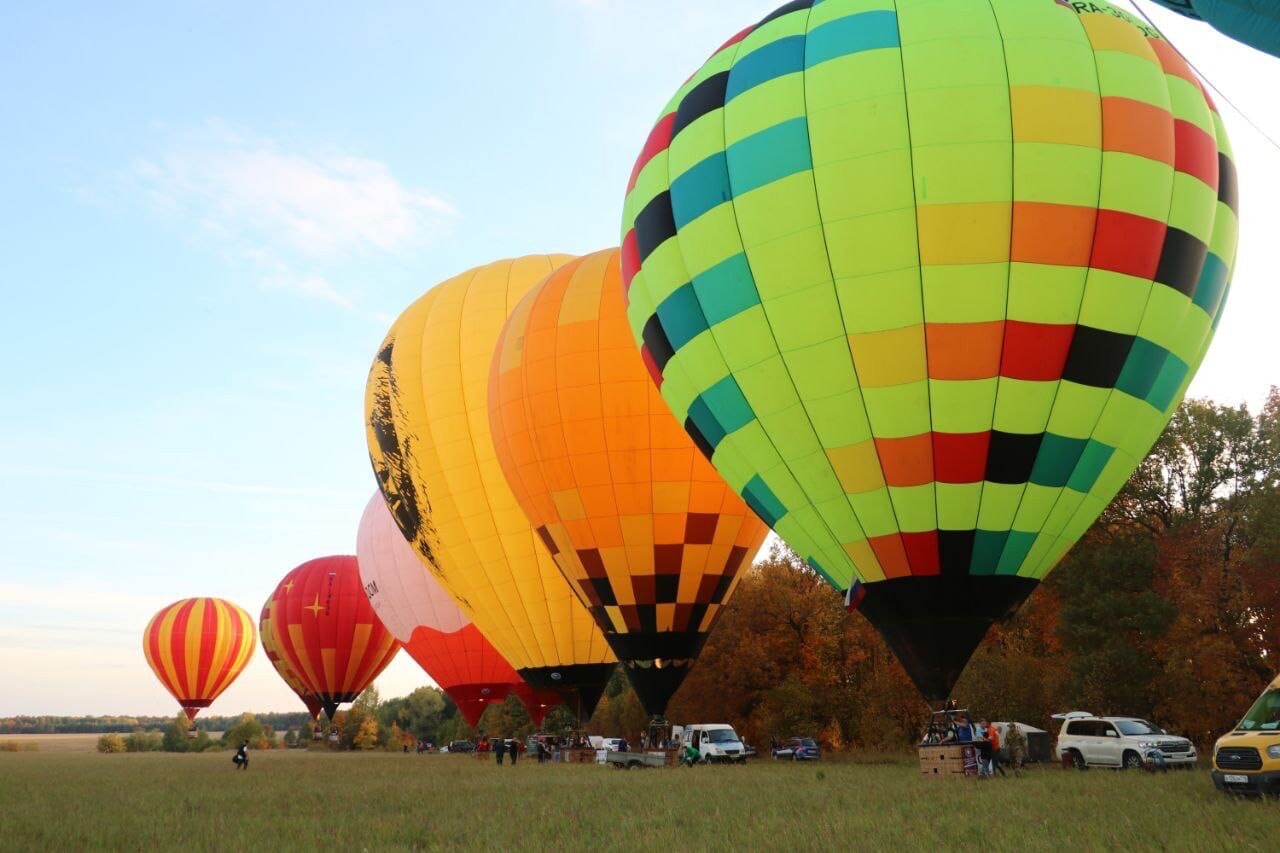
(925, 280)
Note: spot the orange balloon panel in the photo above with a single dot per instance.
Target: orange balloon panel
(632, 512)
(328, 631)
(197, 647)
(271, 645)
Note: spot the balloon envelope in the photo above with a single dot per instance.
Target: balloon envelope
(1254, 22)
(430, 444)
(926, 280)
(271, 645)
(328, 631)
(635, 517)
(417, 610)
(197, 647)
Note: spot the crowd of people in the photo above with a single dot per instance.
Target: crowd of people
(994, 749)
(545, 748)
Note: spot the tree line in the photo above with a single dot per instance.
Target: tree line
(47, 725)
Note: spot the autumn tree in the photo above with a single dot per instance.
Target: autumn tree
(619, 713)
(354, 725)
(786, 659)
(369, 733)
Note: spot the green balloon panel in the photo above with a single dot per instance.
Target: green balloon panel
(926, 279)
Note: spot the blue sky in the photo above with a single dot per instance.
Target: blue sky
(212, 211)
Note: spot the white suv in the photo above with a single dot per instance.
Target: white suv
(1118, 742)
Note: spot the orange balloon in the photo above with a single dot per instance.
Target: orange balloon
(639, 522)
(197, 647)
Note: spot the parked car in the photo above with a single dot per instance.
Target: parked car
(797, 749)
(549, 743)
(459, 746)
(1127, 742)
(1247, 759)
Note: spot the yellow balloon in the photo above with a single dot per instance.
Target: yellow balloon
(427, 422)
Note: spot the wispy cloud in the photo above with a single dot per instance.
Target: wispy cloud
(314, 286)
(288, 213)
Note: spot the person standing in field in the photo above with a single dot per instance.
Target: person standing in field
(241, 758)
(500, 749)
(993, 759)
(514, 748)
(1015, 744)
(984, 749)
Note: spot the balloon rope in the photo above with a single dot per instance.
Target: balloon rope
(1208, 82)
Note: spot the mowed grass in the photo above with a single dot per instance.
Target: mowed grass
(306, 800)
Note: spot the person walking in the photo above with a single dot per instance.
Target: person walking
(514, 748)
(241, 758)
(500, 749)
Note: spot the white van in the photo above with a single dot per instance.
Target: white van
(718, 742)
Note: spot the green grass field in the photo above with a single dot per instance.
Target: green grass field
(310, 800)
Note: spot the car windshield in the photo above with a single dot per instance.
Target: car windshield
(1136, 727)
(1264, 716)
(719, 736)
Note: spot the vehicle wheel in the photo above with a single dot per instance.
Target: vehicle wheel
(1077, 761)
(1132, 761)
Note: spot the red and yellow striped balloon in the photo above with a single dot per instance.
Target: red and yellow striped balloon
(197, 647)
(328, 632)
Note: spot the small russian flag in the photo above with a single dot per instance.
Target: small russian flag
(854, 595)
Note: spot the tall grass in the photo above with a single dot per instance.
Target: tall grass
(18, 746)
(299, 800)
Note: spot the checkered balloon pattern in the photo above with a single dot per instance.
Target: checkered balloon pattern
(638, 521)
(926, 279)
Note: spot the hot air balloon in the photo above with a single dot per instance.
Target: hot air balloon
(1254, 22)
(925, 280)
(271, 645)
(416, 609)
(635, 517)
(197, 647)
(328, 632)
(429, 441)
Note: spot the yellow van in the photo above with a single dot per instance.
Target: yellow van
(1247, 759)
